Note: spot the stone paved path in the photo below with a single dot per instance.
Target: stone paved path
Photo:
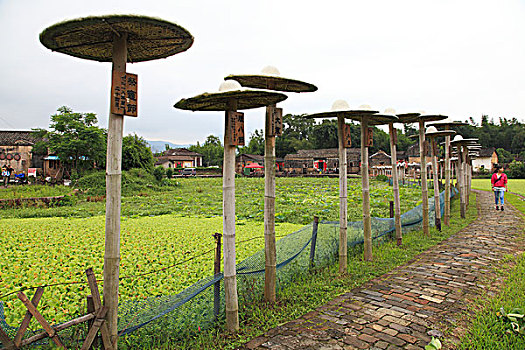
(401, 309)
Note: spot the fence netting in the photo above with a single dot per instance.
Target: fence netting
(201, 306)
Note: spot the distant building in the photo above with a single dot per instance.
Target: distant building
(15, 150)
(244, 159)
(179, 158)
(326, 160)
(486, 159)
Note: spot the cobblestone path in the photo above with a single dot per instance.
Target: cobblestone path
(403, 308)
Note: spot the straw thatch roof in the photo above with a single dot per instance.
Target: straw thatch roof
(92, 37)
(246, 99)
(273, 83)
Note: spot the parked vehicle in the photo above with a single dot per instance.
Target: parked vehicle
(188, 172)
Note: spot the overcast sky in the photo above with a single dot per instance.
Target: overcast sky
(461, 58)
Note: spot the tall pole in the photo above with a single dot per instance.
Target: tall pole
(343, 220)
(228, 209)
(447, 180)
(270, 270)
(367, 219)
(395, 184)
(437, 203)
(113, 199)
(424, 185)
(460, 179)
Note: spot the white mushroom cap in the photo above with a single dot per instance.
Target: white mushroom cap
(431, 129)
(270, 70)
(390, 111)
(365, 108)
(340, 105)
(457, 138)
(230, 85)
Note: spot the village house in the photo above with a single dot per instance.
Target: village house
(179, 158)
(326, 160)
(15, 150)
(243, 160)
(486, 160)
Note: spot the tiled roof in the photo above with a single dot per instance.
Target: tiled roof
(180, 152)
(16, 137)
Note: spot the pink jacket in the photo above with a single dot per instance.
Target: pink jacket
(501, 182)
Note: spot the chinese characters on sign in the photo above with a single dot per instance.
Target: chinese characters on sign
(347, 136)
(370, 137)
(236, 125)
(124, 94)
(276, 120)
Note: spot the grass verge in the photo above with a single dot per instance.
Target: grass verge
(486, 330)
(317, 289)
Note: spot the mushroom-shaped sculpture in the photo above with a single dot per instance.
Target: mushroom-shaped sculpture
(447, 125)
(230, 98)
(402, 118)
(270, 79)
(117, 39)
(422, 119)
(460, 143)
(432, 133)
(364, 115)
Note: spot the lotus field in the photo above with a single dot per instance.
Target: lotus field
(56, 245)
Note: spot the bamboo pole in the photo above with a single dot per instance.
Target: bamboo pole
(270, 271)
(228, 199)
(343, 197)
(424, 185)
(113, 199)
(395, 184)
(367, 220)
(437, 203)
(447, 179)
(459, 172)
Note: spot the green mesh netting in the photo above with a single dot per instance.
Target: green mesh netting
(195, 308)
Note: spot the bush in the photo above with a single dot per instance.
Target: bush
(516, 170)
(382, 178)
(158, 172)
(169, 173)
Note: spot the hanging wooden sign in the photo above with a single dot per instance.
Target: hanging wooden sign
(347, 136)
(394, 135)
(276, 120)
(124, 94)
(236, 125)
(370, 137)
(426, 148)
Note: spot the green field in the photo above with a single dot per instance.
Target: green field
(514, 185)
(59, 248)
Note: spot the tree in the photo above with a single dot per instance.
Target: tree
(136, 153)
(255, 145)
(75, 139)
(325, 135)
(212, 150)
(297, 132)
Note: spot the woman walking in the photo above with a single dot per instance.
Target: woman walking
(499, 185)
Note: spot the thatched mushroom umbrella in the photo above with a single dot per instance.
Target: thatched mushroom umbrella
(230, 98)
(461, 144)
(404, 118)
(433, 133)
(364, 115)
(447, 125)
(117, 39)
(424, 185)
(270, 79)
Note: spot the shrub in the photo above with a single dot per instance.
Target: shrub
(158, 172)
(169, 173)
(382, 178)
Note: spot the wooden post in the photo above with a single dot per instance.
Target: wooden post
(228, 205)
(216, 271)
(343, 196)
(113, 198)
(437, 203)
(367, 219)
(95, 294)
(6, 342)
(314, 241)
(270, 271)
(395, 184)
(447, 179)
(424, 184)
(27, 318)
(90, 308)
(459, 174)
